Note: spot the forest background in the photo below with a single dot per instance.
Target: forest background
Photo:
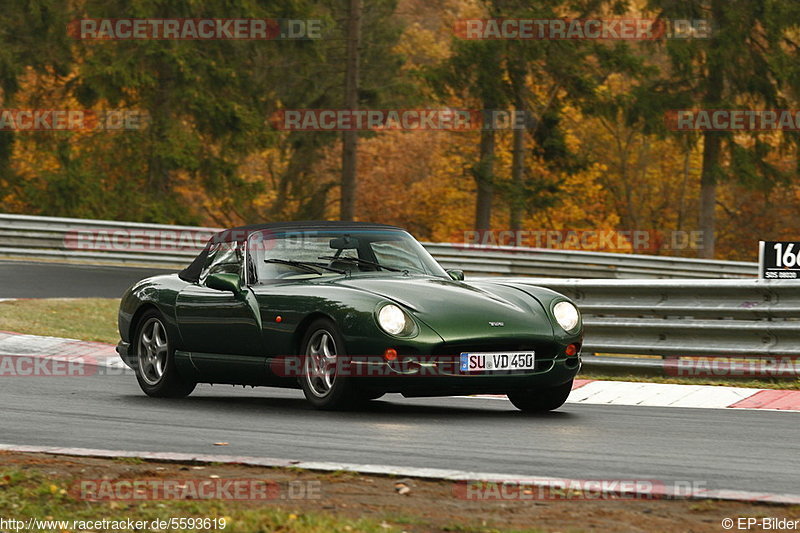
(598, 155)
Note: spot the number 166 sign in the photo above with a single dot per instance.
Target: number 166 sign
(778, 260)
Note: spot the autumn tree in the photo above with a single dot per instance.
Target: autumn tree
(749, 61)
(32, 38)
(540, 78)
(318, 83)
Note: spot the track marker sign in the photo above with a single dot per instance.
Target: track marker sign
(779, 260)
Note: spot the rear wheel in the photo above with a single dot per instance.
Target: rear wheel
(155, 368)
(323, 356)
(540, 400)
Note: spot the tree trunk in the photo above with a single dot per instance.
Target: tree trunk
(517, 175)
(712, 142)
(708, 192)
(6, 151)
(484, 177)
(516, 203)
(294, 182)
(350, 138)
(687, 159)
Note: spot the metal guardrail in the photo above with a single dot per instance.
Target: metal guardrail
(509, 260)
(663, 317)
(721, 368)
(733, 318)
(100, 241)
(109, 241)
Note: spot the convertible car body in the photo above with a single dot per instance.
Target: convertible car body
(346, 311)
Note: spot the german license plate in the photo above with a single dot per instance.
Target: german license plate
(491, 361)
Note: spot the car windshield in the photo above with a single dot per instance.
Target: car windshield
(326, 253)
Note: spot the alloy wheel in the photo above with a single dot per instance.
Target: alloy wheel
(320, 363)
(152, 350)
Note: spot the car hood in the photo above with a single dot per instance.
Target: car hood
(458, 311)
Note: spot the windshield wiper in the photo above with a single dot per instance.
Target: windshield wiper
(362, 262)
(308, 266)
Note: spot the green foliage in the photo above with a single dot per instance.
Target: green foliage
(749, 62)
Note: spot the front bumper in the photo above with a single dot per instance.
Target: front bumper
(439, 376)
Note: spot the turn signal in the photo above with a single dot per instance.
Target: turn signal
(390, 354)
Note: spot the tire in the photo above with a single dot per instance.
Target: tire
(541, 400)
(155, 360)
(323, 353)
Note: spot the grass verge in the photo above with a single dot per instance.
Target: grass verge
(88, 319)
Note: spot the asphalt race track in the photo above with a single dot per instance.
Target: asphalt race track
(23, 279)
(714, 448)
(722, 449)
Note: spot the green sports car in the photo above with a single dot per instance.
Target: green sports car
(346, 311)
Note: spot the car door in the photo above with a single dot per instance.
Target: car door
(222, 330)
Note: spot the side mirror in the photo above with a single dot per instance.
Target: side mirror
(457, 275)
(224, 282)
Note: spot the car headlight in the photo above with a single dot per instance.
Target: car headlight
(393, 320)
(567, 315)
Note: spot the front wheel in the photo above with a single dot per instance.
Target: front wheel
(541, 400)
(155, 368)
(323, 356)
